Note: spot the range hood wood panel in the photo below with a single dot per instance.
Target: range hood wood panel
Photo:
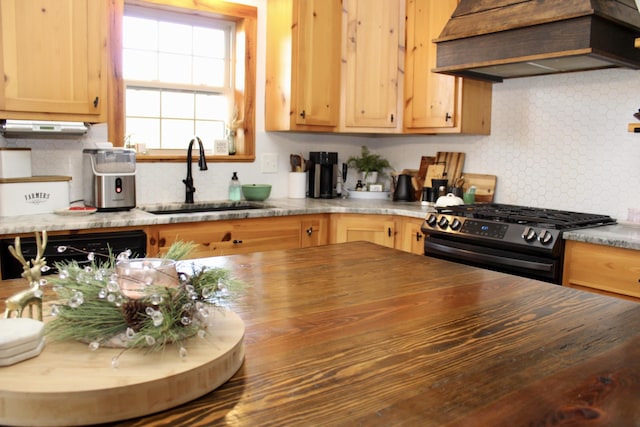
(489, 16)
(497, 39)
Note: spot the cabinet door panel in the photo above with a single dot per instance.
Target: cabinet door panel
(412, 239)
(316, 70)
(53, 56)
(314, 231)
(432, 96)
(379, 229)
(372, 63)
(437, 103)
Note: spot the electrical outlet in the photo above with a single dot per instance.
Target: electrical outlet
(270, 163)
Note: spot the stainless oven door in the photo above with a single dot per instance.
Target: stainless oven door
(547, 269)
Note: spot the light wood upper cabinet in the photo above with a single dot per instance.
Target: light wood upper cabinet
(438, 103)
(344, 67)
(303, 64)
(53, 59)
(373, 48)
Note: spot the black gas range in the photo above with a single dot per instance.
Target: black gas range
(521, 240)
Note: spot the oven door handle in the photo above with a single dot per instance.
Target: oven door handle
(484, 257)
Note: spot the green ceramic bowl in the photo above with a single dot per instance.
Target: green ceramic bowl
(256, 192)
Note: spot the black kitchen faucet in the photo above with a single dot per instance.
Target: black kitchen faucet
(202, 163)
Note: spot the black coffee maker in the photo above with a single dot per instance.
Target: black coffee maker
(323, 174)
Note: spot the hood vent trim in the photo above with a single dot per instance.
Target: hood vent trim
(38, 128)
(500, 39)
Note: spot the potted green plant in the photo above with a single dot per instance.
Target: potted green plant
(369, 164)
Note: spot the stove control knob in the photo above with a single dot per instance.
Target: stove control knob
(456, 224)
(545, 237)
(443, 223)
(432, 220)
(529, 234)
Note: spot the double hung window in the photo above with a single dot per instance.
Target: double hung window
(178, 71)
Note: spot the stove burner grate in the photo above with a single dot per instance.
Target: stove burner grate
(546, 218)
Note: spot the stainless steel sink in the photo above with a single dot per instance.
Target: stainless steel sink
(180, 208)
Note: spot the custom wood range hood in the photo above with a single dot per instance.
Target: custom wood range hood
(499, 39)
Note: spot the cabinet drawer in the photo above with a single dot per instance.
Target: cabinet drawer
(602, 267)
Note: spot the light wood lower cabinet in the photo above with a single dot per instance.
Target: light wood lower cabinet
(314, 230)
(379, 229)
(216, 238)
(590, 266)
(411, 238)
(388, 230)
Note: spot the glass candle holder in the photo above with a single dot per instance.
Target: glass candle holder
(135, 275)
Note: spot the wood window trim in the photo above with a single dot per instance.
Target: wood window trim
(246, 19)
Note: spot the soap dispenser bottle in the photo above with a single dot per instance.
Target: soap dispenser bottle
(235, 191)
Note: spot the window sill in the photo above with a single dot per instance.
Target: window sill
(179, 158)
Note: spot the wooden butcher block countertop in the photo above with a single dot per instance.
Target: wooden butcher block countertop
(359, 334)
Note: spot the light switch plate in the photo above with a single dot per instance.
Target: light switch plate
(270, 163)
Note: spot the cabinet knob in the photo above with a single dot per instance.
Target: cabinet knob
(309, 231)
(95, 102)
(418, 236)
(162, 242)
(303, 114)
(237, 242)
(447, 117)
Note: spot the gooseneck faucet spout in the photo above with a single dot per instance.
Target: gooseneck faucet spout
(202, 163)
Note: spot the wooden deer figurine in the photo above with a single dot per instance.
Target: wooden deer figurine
(31, 297)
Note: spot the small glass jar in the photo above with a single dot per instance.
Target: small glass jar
(231, 141)
(135, 275)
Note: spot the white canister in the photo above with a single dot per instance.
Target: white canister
(297, 185)
(34, 195)
(15, 162)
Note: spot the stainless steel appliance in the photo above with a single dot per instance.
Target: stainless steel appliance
(323, 175)
(74, 247)
(109, 178)
(521, 240)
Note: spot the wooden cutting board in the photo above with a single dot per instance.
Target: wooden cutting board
(419, 179)
(453, 164)
(70, 385)
(433, 172)
(425, 162)
(485, 186)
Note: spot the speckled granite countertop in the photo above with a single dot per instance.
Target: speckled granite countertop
(270, 208)
(624, 235)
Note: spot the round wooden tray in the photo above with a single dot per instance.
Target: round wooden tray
(68, 384)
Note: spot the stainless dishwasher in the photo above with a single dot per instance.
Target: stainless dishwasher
(77, 248)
